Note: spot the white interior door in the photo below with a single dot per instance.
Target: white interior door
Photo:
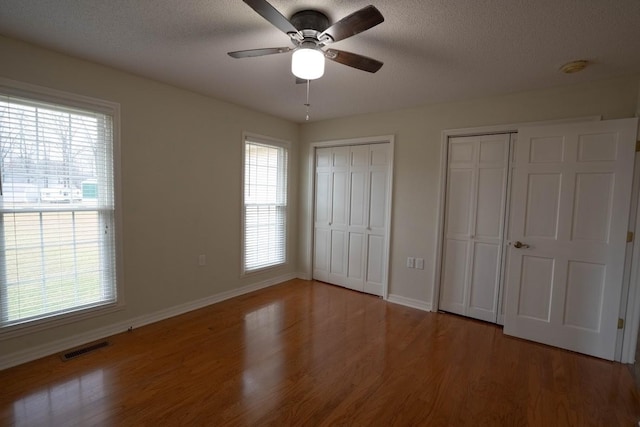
(569, 213)
(474, 225)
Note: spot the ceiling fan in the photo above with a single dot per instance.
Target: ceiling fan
(311, 33)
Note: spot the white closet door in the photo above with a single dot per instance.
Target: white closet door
(474, 225)
(569, 215)
(351, 197)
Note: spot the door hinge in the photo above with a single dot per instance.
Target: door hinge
(620, 323)
(637, 146)
(629, 236)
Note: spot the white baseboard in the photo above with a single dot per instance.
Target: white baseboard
(37, 352)
(409, 302)
(304, 276)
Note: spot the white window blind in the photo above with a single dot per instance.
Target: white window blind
(265, 205)
(56, 210)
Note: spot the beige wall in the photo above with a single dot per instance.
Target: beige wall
(417, 160)
(638, 104)
(181, 180)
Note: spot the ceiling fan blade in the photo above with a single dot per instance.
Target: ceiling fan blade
(272, 15)
(258, 52)
(353, 24)
(354, 60)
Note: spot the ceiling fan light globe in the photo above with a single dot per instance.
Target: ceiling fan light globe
(307, 64)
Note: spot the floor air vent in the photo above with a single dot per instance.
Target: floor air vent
(72, 354)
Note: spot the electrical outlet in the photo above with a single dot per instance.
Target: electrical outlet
(202, 260)
(420, 263)
(411, 262)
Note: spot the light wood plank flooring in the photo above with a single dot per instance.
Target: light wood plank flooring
(307, 353)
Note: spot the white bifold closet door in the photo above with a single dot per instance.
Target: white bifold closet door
(473, 246)
(350, 221)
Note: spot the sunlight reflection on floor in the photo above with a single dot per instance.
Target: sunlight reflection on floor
(61, 400)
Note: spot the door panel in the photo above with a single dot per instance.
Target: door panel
(452, 294)
(378, 203)
(340, 192)
(593, 204)
(461, 150)
(546, 149)
(375, 260)
(584, 295)
(485, 275)
(459, 202)
(356, 262)
(492, 150)
(537, 275)
(341, 157)
(542, 205)
(570, 205)
(323, 197)
(321, 243)
(360, 156)
(489, 215)
(380, 156)
(599, 147)
(338, 246)
(358, 199)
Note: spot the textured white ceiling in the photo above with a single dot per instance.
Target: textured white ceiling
(433, 50)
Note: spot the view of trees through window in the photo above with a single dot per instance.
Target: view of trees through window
(56, 222)
(47, 155)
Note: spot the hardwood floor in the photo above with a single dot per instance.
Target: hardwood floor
(307, 353)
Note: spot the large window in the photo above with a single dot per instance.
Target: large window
(265, 204)
(57, 234)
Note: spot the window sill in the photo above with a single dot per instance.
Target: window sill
(27, 328)
(262, 270)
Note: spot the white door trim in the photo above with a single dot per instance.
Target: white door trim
(384, 139)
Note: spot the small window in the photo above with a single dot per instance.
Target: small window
(265, 204)
(57, 210)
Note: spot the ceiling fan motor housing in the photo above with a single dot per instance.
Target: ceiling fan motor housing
(310, 20)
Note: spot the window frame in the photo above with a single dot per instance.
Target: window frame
(286, 145)
(62, 98)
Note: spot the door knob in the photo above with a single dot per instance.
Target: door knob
(519, 245)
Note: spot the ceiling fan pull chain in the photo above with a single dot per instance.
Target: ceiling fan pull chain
(307, 104)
